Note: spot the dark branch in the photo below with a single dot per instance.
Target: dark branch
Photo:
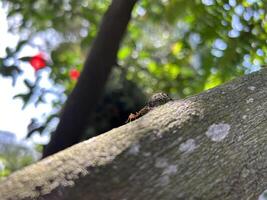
(91, 83)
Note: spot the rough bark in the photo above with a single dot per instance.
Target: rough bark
(90, 85)
(209, 146)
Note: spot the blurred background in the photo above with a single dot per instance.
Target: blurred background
(180, 47)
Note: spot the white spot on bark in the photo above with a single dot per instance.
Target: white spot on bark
(188, 146)
(158, 134)
(167, 171)
(164, 180)
(263, 196)
(68, 183)
(115, 167)
(245, 172)
(146, 154)
(244, 117)
(134, 150)
(217, 132)
(170, 170)
(252, 88)
(161, 163)
(250, 100)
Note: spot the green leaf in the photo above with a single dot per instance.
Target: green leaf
(213, 81)
(124, 52)
(172, 69)
(21, 44)
(26, 58)
(10, 70)
(25, 98)
(176, 48)
(9, 52)
(28, 84)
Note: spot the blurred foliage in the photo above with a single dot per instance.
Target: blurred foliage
(178, 46)
(121, 97)
(14, 156)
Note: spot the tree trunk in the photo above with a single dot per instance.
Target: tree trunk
(209, 146)
(90, 85)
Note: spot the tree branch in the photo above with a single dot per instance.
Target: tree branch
(209, 146)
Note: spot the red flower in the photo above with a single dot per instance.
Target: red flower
(38, 61)
(74, 74)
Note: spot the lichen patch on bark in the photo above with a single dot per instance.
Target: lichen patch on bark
(134, 149)
(217, 132)
(168, 170)
(252, 88)
(188, 146)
